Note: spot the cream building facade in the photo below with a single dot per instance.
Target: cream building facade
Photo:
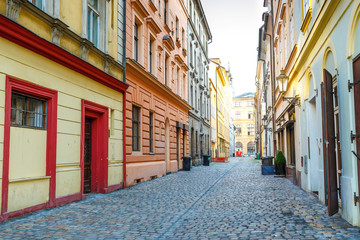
(316, 114)
(221, 90)
(243, 111)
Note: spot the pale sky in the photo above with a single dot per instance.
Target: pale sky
(234, 25)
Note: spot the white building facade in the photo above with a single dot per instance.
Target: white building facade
(199, 94)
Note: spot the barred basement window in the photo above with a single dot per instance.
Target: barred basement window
(135, 128)
(28, 111)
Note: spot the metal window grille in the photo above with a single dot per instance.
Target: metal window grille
(135, 128)
(28, 111)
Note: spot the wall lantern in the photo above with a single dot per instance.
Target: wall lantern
(264, 120)
(282, 81)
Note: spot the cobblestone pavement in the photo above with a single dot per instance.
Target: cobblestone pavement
(226, 200)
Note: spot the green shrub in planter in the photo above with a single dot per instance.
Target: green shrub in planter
(280, 163)
(280, 158)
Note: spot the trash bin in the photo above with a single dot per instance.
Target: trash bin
(186, 163)
(206, 159)
(267, 167)
(258, 156)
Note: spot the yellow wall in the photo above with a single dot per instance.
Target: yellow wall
(72, 88)
(23, 194)
(2, 112)
(24, 161)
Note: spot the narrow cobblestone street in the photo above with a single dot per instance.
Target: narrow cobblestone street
(226, 200)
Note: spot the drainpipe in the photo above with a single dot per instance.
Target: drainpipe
(217, 120)
(273, 76)
(124, 95)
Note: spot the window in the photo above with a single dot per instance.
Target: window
(178, 80)
(250, 115)
(237, 115)
(93, 22)
(136, 42)
(135, 128)
(165, 11)
(166, 69)
(191, 96)
(151, 55)
(39, 3)
(191, 54)
(183, 37)
(251, 130)
(151, 132)
(27, 111)
(177, 28)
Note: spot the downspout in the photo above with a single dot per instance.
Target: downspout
(217, 120)
(124, 94)
(273, 76)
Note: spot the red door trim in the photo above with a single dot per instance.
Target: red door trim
(100, 128)
(124, 140)
(14, 84)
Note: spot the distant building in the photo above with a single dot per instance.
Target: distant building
(244, 121)
(220, 90)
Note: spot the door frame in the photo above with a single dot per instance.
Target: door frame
(99, 161)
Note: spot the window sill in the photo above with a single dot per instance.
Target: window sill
(151, 153)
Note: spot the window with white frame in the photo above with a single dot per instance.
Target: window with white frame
(39, 3)
(237, 116)
(93, 20)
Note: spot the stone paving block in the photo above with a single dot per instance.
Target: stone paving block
(223, 201)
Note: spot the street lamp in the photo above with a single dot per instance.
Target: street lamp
(283, 81)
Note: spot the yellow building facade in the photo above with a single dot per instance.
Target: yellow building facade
(220, 91)
(244, 121)
(61, 102)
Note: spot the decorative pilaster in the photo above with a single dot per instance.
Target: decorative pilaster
(13, 8)
(84, 50)
(107, 64)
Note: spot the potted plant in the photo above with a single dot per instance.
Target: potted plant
(280, 163)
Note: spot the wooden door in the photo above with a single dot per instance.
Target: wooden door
(330, 168)
(87, 156)
(356, 80)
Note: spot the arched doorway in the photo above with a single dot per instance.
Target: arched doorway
(167, 145)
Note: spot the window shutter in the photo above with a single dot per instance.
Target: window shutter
(356, 72)
(330, 154)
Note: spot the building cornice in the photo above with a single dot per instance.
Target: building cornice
(21, 36)
(133, 67)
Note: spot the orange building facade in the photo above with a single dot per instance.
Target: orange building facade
(156, 70)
